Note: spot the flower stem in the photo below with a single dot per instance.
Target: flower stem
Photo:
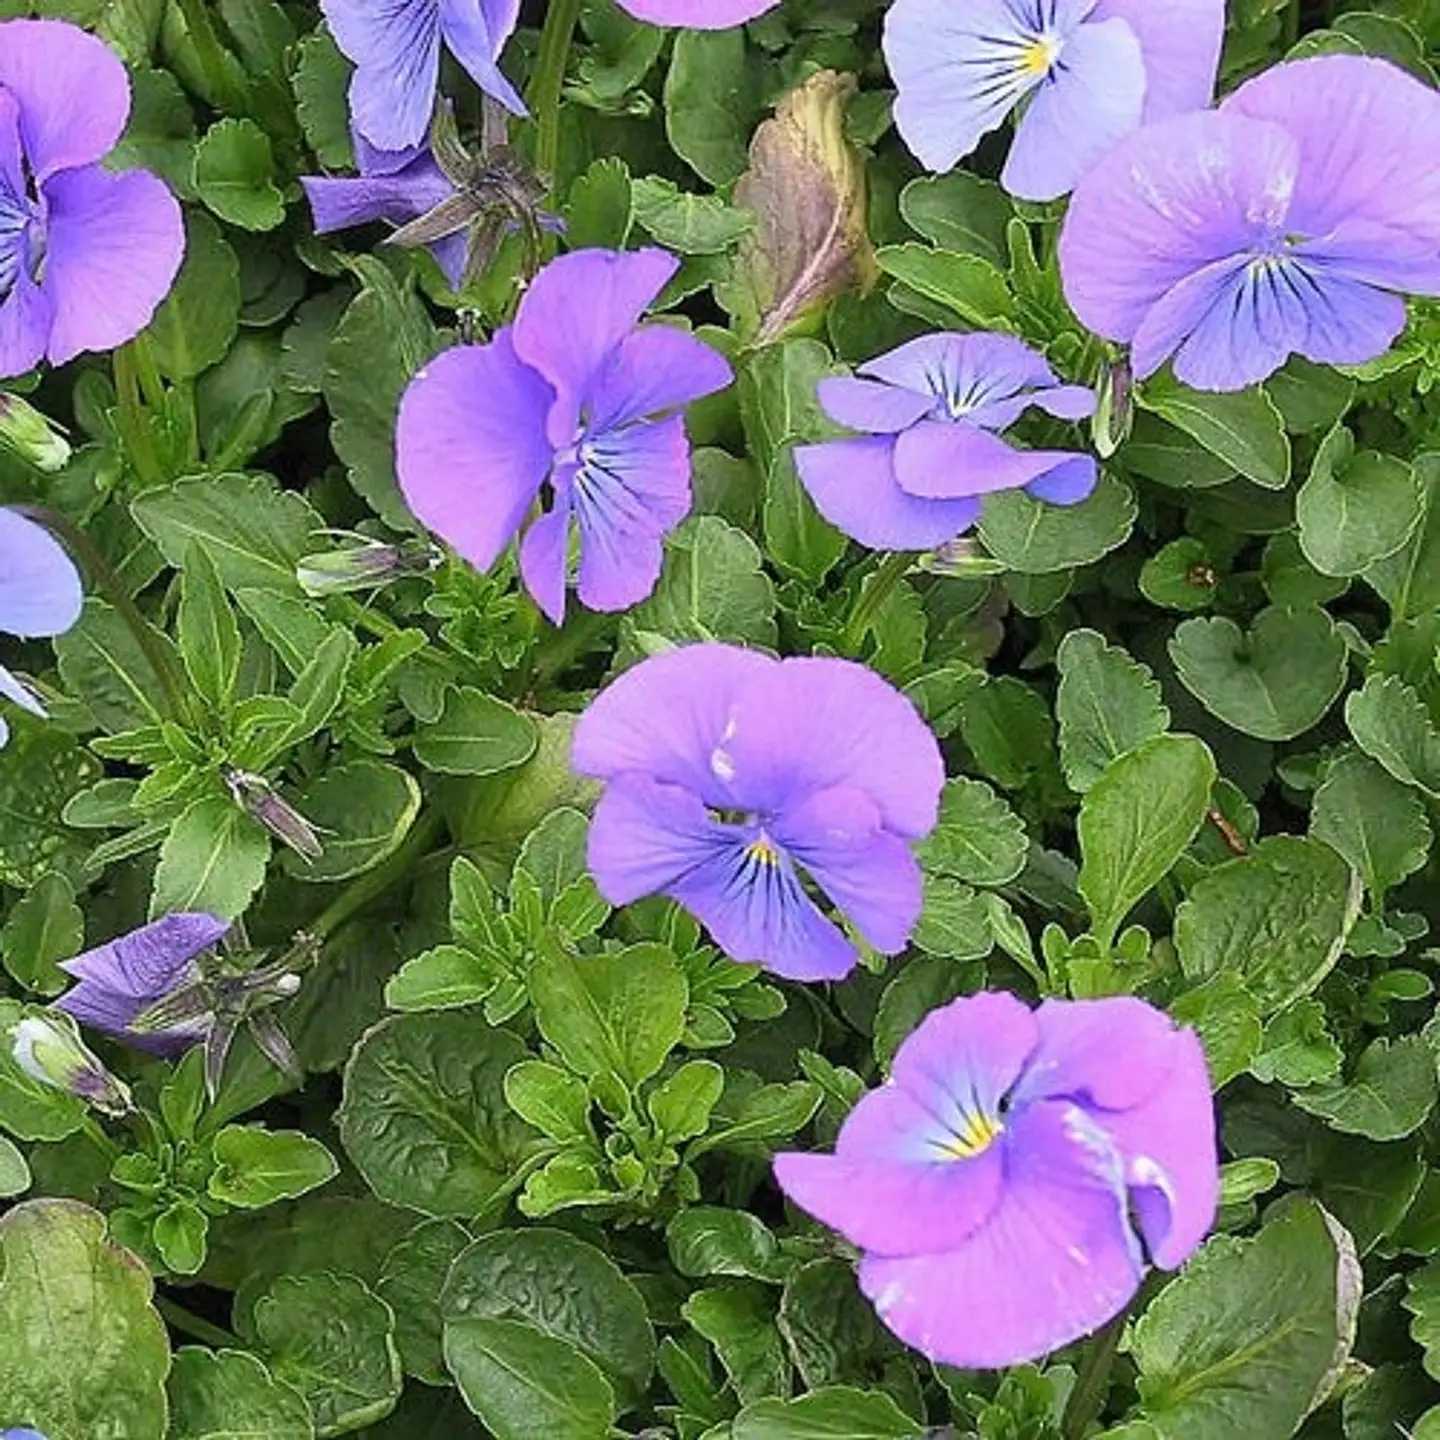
(370, 886)
(873, 592)
(130, 419)
(1092, 1385)
(187, 1323)
(90, 1129)
(549, 81)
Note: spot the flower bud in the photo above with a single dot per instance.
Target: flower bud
(364, 566)
(258, 798)
(1114, 416)
(48, 1048)
(31, 436)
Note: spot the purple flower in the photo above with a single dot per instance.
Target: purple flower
(1279, 224)
(1093, 71)
(996, 1184)
(22, 1434)
(126, 977)
(697, 14)
(395, 45)
(932, 411)
(729, 772)
(85, 255)
(570, 394)
(40, 595)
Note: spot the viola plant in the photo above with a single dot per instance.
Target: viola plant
(721, 720)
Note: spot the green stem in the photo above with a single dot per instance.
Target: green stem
(1291, 31)
(357, 895)
(131, 420)
(188, 1323)
(549, 81)
(100, 573)
(1092, 1385)
(873, 592)
(90, 1128)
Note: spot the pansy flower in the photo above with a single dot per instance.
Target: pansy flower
(1008, 1184)
(731, 776)
(1290, 221)
(1087, 72)
(395, 45)
(40, 595)
(574, 397)
(697, 14)
(85, 254)
(931, 414)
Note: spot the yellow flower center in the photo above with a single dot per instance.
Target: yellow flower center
(1039, 55)
(975, 1136)
(763, 851)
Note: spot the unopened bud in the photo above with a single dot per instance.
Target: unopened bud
(364, 566)
(48, 1048)
(961, 559)
(1114, 416)
(31, 436)
(258, 798)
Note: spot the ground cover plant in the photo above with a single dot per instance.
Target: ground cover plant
(719, 719)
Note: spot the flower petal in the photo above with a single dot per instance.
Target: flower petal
(1072, 478)
(470, 32)
(646, 835)
(853, 485)
(871, 406)
(697, 14)
(147, 963)
(470, 446)
(73, 92)
(942, 461)
(13, 689)
(395, 45)
(1055, 1260)
(1180, 40)
(40, 591)
(654, 369)
(115, 243)
(545, 559)
(338, 203)
(1093, 97)
(25, 315)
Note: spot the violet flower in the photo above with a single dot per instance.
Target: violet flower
(575, 394)
(1008, 1182)
(1090, 72)
(395, 45)
(728, 773)
(932, 412)
(21, 1434)
(1280, 224)
(697, 14)
(40, 595)
(85, 255)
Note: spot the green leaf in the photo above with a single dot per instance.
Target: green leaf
(525, 1384)
(230, 1395)
(969, 285)
(41, 770)
(617, 1014)
(1106, 705)
(28, 1109)
(798, 539)
(363, 809)
(1379, 825)
(978, 837)
(1033, 537)
(738, 1319)
(102, 662)
(180, 1234)
(411, 1284)
(1273, 683)
(15, 1175)
(1276, 918)
(213, 859)
(553, 1100)
(82, 1352)
(256, 1167)
(1242, 428)
(711, 103)
(835, 1413)
(424, 1117)
(1227, 1018)
(1409, 580)
(1391, 724)
(385, 336)
(448, 977)
(1393, 1089)
(1180, 576)
(332, 1339)
(319, 81)
(562, 1287)
(252, 530)
(1254, 1333)
(686, 223)
(832, 1331)
(44, 926)
(1355, 509)
(708, 1240)
(194, 327)
(955, 921)
(235, 175)
(961, 213)
(1422, 1300)
(476, 734)
(681, 1106)
(208, 632)
(599, 209)
(1137, 820)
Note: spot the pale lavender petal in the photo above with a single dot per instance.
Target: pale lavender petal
(1181, 42)
(1072, 479)
(395, 45)
(654, 369)
(697, 14)
(1375, 254)
(372, 160)
(545, 558)
(869, 875)
(853, 485)
(1092, 98)
(990, 379)
(101, 1007)
(576, 312)
(815, 723)
(871, 406)
(400, 196)
(1175, 315)
(646, 835)
(471, 33)
(896, 1209)
(73, 92)
(1167, 201)
(470, 446)
(941, 461)
(114, 247)
(25, 316)
(1348, 322)
(1055, 1260)
(147, 963)
(1368, 134)
(40, 592)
